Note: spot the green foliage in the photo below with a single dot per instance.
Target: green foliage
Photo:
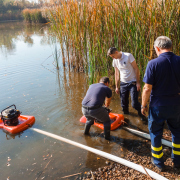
(33, 15)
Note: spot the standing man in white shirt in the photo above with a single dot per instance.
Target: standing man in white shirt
(127, 73)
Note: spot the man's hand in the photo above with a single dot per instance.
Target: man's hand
(138, 86)
(144, 111)
(117, 90)
(145, 96)
(107, 102)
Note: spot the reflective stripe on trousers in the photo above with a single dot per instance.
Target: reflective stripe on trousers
(176, 149)
(156, 119)
(157, 152)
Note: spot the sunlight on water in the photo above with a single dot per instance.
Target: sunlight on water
(30, 80)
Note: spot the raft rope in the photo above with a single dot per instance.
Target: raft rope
(103, 154)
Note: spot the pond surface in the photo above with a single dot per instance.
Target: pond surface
(30, 80)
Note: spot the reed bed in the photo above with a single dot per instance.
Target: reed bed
(33, 16)
(86, 29)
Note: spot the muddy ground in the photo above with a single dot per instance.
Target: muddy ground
(139, 153)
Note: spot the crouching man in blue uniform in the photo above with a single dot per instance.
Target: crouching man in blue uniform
(162, 84)
(92, 104)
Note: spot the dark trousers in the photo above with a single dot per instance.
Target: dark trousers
(156, 119)
(125, 89)
(100, 114)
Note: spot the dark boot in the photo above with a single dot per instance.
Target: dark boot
(125, 111)
(159, 167)
(86, 129)
(107, 127)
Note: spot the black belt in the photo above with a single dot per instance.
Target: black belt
(133, 82)
(91, 107)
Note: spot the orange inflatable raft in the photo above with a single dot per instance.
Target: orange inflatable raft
(116, 121)
(24, 123)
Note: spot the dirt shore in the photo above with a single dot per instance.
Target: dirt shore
(140, 154)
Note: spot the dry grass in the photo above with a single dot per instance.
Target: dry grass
(86, 29)
(33, 16)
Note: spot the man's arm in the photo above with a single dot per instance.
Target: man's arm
(117, 80)
(136, 69)
(145, 96)
(107, 101)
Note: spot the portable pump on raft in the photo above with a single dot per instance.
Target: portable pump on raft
(10, 116)
(13, 122)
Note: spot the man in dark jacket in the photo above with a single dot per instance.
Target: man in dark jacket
(162, 84)
(92, 104)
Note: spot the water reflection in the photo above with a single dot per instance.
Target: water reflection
(93, 161)
(12, 136)
(11, 32)
(30, 79)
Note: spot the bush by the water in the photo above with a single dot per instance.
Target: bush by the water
(33, 16)
(87, 29)
(12, 10)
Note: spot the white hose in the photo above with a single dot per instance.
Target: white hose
(104, 154)
(147, 136)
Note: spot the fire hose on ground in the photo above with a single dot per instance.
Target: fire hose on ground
(104, 154)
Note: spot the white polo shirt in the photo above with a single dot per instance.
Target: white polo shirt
(127, 73)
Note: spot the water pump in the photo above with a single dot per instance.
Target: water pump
(10, 116)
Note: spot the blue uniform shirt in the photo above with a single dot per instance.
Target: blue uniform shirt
(96, 95)
(163, 73)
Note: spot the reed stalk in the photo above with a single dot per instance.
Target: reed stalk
(87, 29)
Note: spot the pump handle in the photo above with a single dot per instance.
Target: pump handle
(8, 108)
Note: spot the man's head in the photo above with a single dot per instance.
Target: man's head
(104, 80)
(114, 53)
(162, 44)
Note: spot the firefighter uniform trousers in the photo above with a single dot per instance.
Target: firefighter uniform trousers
(156, 119)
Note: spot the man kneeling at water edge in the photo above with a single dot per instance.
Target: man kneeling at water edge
(92, 103)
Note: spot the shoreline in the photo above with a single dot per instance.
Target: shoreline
(10, 21)
(139, 153)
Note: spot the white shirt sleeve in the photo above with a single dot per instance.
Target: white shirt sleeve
(114, 63)
(131, 58)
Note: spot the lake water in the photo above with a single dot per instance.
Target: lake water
(30, 80)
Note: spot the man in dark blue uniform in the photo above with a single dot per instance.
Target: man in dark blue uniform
(92, 104)
(162, 84)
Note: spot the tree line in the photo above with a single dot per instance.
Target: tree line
(12, 10)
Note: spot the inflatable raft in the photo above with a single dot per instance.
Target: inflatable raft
(24, 123)
(116, 121)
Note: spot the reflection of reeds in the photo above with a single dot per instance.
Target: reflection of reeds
(86, 29)
(33, 15)
(56, 58)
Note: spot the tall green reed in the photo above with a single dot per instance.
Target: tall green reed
(87, 29)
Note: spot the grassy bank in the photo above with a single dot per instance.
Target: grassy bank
(33, 16)
(86, 30)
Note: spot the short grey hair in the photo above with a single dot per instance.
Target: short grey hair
(163, 42)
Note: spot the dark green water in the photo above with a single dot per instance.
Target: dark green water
(29, 79)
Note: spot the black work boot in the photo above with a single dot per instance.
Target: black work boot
(125, 111)
(107, 128)
(86, 129)
(160, 168)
